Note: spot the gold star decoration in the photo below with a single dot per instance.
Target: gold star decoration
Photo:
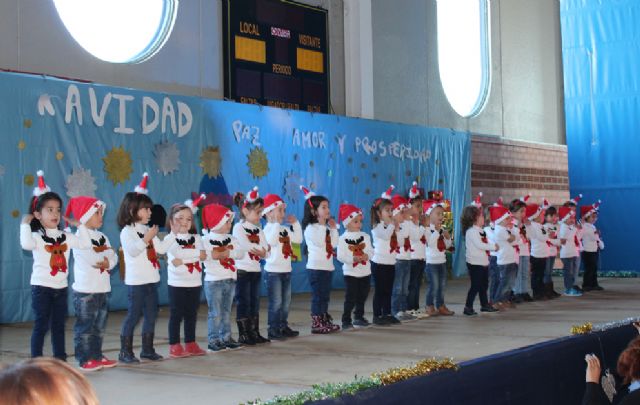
(211, 161)
(258, 162)
(22, 144)
(117, 165)
(28, 179)
(26, 123)
(15, 213)
(59, 156)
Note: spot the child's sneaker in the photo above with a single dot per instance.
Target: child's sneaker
(232, 344)
(392, 320)
(380, 321)
(431, 311)
(106, 363)
(469, 311)
(347, 325)
(176, 351)
(488, 308)
(443, 310)
(275, 334)
(216, 346)
(572, 293)
(361, 323)
(192, 349)
(288, 332)
(91, 365)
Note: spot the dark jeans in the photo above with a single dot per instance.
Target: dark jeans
(437, 276)
(538, 267)
(320, 281)
(183, 305)
(50, 309)
(590, 275)
(247, 294)
(383, 275)
(494, 277)
(91, 321)
(479, 283)
(279, 289)
(357, 291)
(415, 281)
(141, 300)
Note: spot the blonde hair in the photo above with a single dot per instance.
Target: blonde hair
(45, 380)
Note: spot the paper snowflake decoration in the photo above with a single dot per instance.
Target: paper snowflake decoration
(81, 182)
(258, 162)
(167, 157)
(117, 165)
(292, 182)
(211, 161)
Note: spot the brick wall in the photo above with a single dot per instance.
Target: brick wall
(512, 169)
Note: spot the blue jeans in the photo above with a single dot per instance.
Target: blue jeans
(248, 294)
(508, 274)
(400, 286)
(320, 281)
(219, 300)
(50, 309)
(522, 279)
(437, 277)
(570, 271)
(91, 321)
(279, 289)
(548, 271)
(415, 281)
(141, 300)
(494, 277)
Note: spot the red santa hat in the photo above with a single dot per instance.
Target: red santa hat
(251, 197)
(271, 202)
(142, 187)
(414, 191)
(532, 211)
(215, 215)
(429, 205)
(575, 200)
(82, 208)
(387, 194)
(42, 187)
(399, 204)
(565, 213)
(498, 213)
(545, 203)
(193, 204)
(587, 210)
(347, 212)
(525, 198)
(477, 202)
(436, 195)
(307, 195)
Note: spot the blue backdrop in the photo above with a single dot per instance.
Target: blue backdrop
(601, 55)
(96, 139)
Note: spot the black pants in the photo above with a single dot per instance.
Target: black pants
(357, 291)
(590, 275)
(479, 284)
(183, 305)
(415, 281)
(538, 266)
(247, 296)
(383, 275)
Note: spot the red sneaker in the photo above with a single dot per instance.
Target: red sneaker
(91, 365)
(106, 363)
(192, 349)
(177, 351)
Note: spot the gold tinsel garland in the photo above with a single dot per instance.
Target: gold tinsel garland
(582, 329)
(423, 367)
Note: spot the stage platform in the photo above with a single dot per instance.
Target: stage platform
(232, 377)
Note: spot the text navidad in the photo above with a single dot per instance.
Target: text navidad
(318, 140)
(174, 117)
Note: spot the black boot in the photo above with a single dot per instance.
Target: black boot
(245, 333)
(148, 352)
(126, 351)
(255, 322)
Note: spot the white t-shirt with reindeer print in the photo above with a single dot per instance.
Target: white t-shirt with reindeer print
(352, 245)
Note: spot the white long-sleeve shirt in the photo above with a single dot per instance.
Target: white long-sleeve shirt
(591, 240)
(51, 257)
(321, 242)
(222, 269)
(554, 242)
(436, 254)
(507, 253)
(280, 237)
(140, 258)
(477, 249)
(419, 245)
(187, 248)
(571, 246)
(489, 231)
(249, 236)
(539, 240)
(408, 232)
(385, 244)
(88, 279)
(355, 243)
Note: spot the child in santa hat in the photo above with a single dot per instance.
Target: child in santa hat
(573, 203)
(221, 270)
(40, 233)
(321, 237)
(494, 273)
(384, 228)
(438, 241)
(539, 249)
(184, 282)
(418, 251)
(354, 251)
(592, 245)
(140, 247)
(407, 232)
(521, 287)
(91, 270)
(551, 226)
(251, 239)
(278, 264)
(569, 250)
(507, 241)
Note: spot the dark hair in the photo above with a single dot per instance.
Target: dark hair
(310, 213)
(175, 208)
(378, 205)
(36, 204)
(551, 211)
(239, 201)
(469, 216)
(131, 203)
(516, 205)
(418, 198)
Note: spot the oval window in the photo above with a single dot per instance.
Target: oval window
(464, 54)
(119, 31)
